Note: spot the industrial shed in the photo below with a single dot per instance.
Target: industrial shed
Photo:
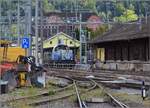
(125, 43)
(50, 43)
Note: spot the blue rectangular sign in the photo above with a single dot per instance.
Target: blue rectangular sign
(25, 42)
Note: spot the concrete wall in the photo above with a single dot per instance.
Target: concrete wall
(124, 66)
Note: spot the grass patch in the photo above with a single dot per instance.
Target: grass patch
(128, 98)
(72, 98)
(19, 105)
(51, 93)
(146, 102)
(132, 98)
(97, 93)
(30, 91)
(25, 91)
(51, 86)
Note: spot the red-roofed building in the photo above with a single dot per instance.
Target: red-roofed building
(67, 22)
(96, 22)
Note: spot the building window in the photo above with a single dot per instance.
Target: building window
(54, 29)
(50, 42)
(59, 41)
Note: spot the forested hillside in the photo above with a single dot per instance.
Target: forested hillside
(108, 10)
(120, 10)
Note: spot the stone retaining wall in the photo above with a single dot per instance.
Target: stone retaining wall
(124, 66)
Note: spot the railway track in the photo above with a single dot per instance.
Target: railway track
(96, 70)
(76, 77)
(101, 72)
(121, 104)
(102, 76)
(64, 96)
(61, 94)
(39, 95)
(78, 96)
(82, 104)
(76, 91)
(45, 97)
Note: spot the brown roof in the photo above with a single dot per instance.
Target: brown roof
(125, 32)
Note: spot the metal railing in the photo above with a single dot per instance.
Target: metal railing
(69, 66)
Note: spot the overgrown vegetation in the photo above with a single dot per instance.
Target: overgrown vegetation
(97, 93)
(91, 34)
(106, 9)
(31, 91)
(132, 99)
(125, 9)
(19, 105)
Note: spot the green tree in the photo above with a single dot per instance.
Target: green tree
(99, 31)
(90, 4)
(93, 34)
(128, 15)
(120, 8)
(14, 30)
(48, 7)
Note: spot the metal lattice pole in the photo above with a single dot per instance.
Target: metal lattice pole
(0, 22)
(9, 17)
(41, 32)
(36, 31)
(18, 22)
(80, 39)
(29, 5)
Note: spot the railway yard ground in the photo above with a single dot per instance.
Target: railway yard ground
(74, 53)
(69, 88)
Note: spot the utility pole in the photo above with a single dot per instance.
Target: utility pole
(83, 43)
(36, 31)
(76, 10)
(85, 38)
(41, 32)
(80, 39)
(0, 21)
(18, 22)
(29, 6)
(9, 17)
(106, 11)
(149, 42)
(90, 47)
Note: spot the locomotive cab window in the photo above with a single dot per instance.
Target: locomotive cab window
(50, 42)
(70, 42)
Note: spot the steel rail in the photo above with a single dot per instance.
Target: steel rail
(78, 96)
(38, 95)
(121, 104)
(63, 97)
(43, 98)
